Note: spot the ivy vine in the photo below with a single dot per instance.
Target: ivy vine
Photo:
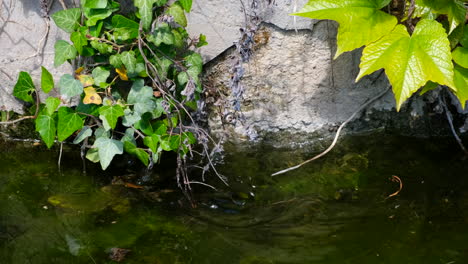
(137, 77)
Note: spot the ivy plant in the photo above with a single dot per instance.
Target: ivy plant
(136, 81)
(417, 42)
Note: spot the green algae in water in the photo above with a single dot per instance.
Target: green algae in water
(333, 210)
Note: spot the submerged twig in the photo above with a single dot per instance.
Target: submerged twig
(395, 179)
(336, 136)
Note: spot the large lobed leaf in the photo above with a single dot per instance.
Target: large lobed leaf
(63, 52)
(145, 7)
(361, 21)
(411, 61)
(111, 114)
(69, 86)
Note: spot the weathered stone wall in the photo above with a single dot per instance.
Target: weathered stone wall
(294, 89)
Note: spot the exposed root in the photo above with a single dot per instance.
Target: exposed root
(336, 136)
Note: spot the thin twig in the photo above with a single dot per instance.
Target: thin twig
(64, 6)
(450, 121)
(336, 136)
(17, 120)
(395, 179)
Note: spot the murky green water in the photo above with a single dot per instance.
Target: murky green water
(332, 211)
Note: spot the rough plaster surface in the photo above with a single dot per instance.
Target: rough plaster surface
(294, 86)
(21, 30)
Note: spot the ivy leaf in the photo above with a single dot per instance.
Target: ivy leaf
(45, 125)
(361, 21)
(124, 28)
(107, 149)
(67, 19)
(129, 136)
(24, 87)
(138, 152)
(51, 104)
(176, 11)
(70, 87)
(100, 75)
(145, 7)
(129, 60)
(85, 132)
(68, 122)
(91, 96)
(461, 82)
(47, 81)
(130, 118)
(186, 4)
(152, 142)
(79, 41)
(111, 113)
(116, 61)
(162, 34)
(94, 15)
(93, 155)
(103, 48)
(411, 61)
(145, 124)
(139, 92)
(63, 52)
(95, 3)
(454, 9)
(460, 56)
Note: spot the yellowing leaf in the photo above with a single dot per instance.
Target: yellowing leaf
(86, 80)
(79, 70)
(361, 21)
(91, 96)
(122, 72)
(411, 61)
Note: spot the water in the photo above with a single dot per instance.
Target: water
(335, 210)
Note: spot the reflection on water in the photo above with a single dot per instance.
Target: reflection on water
(332, 211)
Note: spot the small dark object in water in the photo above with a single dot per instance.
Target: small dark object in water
(118, 254)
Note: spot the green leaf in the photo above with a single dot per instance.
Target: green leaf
(90, 109)
(165, 143)
(95, 3)
(129, 60)
(47, 81)
(69, 86)
(24, 87)
(175, 141)
(460, 56)
(67, 19)
(152, 142)
(145, 124)
(103, 48)
(107, 149)
(45, 125)
(124, 28)
(464, 39)
(63, 52)
(202, 41)
(138, 152)
(186, 4)
(194, 60)
(182, 78)
(411, 61)
(94, 15)
(111, 113)
(79, 41)
(100, 75)
(139, 92)
(454, 9)
(361, 21)
(461, 83)
(130, 118)
(85, 132)
(162, 34)
(145, 7)
(116, 61)
(68, 122)
(93, 155)
(95, 30)
(129, 136)
(176, 11)
(51, 104)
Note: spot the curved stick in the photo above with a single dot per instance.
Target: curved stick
(336, 136)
